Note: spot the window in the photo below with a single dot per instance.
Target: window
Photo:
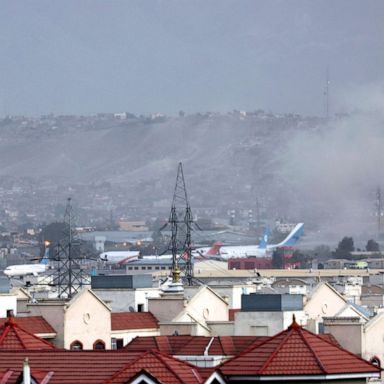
(117, 343)
(140, 307)
(76, 345)
(375, 361)
(99, 344)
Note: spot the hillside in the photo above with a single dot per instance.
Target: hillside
(297, 167)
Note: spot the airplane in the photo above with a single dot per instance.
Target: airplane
(261, 250)
(29, 269)
(208, 252)
(119, 257)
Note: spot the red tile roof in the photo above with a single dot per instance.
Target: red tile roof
(68, 367)
(133, 320)
(164, 368)
(12, 336)
(32, 324)
(194, 345)
(295, 351)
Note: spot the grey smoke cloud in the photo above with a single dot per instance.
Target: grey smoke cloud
(338, 167)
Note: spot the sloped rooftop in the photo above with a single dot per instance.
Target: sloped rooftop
(133, 320)
(295, 351)
(68, 367)
(164, 368)
(12, 336)
(32, 324)
(194, 345)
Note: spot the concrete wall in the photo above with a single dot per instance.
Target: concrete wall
(374, 339)
(167, 329)
(265, 323)
(206, 306)
(372, 300)
(222, 328)
(323, 302)
(121, 300)
(232, 293)
(87, 320)
(167, 307)
(348, 334)
(8, 301)
(128, 335)
(53, 312)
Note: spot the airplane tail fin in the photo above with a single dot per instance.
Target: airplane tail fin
(215, 249)
(45, 258)
(293, 237)
(264, 239)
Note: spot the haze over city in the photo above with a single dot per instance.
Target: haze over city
(192, 191)
(255, 81)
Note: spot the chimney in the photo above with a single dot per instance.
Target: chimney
(26, 372)
(10, 313)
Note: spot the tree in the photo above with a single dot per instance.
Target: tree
(305, 260)
(344, 248)
(372, 246)
(278, 258)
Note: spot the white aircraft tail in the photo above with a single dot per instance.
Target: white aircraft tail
(293, 237)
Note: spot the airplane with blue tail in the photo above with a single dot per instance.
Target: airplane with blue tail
(263, 249)
(29, 269)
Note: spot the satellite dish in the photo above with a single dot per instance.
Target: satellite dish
(131, 309)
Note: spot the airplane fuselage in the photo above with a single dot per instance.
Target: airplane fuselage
(24, 270)
(119, 257)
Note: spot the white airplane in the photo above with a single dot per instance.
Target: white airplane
(208, 252)
(29, 269)
(119, 257)
(261, 250)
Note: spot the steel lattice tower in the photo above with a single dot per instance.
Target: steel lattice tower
(70, 277)
(180, 220)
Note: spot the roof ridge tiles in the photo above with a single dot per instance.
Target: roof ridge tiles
(162, 357)
(338, 347)
(277, 349)
(11, 325)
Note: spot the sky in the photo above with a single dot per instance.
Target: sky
(148, 56)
